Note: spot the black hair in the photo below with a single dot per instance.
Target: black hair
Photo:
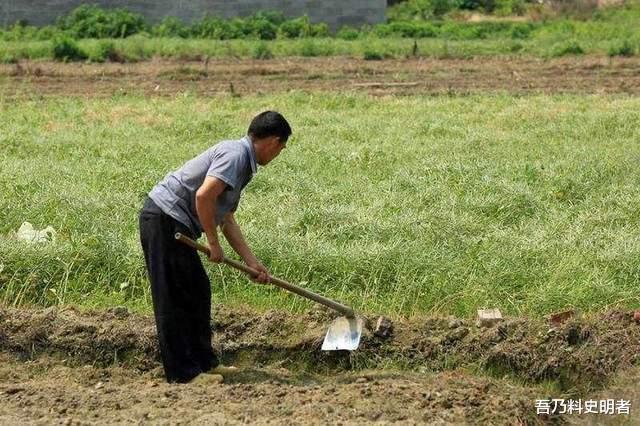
(270, 123)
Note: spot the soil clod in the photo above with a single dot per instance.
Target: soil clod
(384, 327)
(559, 318)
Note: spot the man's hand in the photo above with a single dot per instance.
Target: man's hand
(215, 252)
(263, 277)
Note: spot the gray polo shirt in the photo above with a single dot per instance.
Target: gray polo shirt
(233, 162)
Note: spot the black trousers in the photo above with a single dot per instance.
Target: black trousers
(181, 296)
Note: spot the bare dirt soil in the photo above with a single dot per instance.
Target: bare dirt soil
(65, 366)
(246, 77)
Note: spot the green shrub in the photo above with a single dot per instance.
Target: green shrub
(294, 28)
(105, 51)
(407, 29)
(218, 29)
(262, 51)
(405, 11)
(48, 32)
(18, 32)
(521, 31)
(347, 33)
(66, 49)
(371, 54)
(273, 16)
(412, 29)
(89, 21)
(484, 5)
(420, 9)
(476, 30)
(624, 49)
(310, 48)
(571, 47)
(170, 27)
(319, 30)
(509, 7)
(458, 31)
(7, 58)
(21, 32)
(258, 26)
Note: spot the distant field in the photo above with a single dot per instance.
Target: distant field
(135, 48)
(396, 205)
(610, 32)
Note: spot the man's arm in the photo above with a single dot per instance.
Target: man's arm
(206, 197)
(233, 234)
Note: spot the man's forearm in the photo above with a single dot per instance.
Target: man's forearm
(236, 240)
(206, 210)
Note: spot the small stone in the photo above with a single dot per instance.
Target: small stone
(636, 316)
(489, 317)
(99, 385)
(384, 327)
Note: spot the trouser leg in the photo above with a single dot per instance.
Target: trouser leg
(181, 296)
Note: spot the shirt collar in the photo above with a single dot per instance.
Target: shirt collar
(246, 141)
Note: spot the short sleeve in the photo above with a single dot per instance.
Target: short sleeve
(226, 165)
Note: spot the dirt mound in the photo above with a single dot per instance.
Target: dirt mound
(67, 366)
(97, 338)
(580, 355)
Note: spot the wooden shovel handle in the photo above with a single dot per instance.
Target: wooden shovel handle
(345, 310)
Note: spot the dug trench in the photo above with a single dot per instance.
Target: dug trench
(70, 365)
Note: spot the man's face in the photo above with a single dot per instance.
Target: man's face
(270, 150)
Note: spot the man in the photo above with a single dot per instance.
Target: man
(200, 197)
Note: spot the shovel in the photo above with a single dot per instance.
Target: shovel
(343, 334)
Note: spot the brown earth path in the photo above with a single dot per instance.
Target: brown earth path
(244, 77)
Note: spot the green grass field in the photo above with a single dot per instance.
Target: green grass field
(395, 205)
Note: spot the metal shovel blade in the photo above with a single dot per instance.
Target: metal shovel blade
(343, 334)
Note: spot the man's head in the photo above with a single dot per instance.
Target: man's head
(269, 132)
